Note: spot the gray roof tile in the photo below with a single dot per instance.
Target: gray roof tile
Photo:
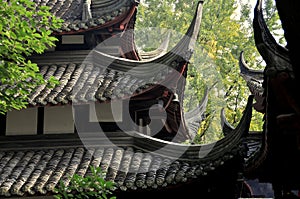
(39, 171)
(85, 82)
(82, 15)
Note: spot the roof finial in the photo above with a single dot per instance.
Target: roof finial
(86, 10)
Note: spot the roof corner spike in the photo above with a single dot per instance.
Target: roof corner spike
(181, 53)
(226, 126)
(185, 47)
(196, 26)
(86, 10)
(245, 121)
(254, 78)
(274, 54)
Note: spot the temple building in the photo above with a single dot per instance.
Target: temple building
(118, 109)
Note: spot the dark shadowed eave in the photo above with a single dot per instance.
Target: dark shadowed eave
(256, 153)
(275, 55)
(255, 142)
(277, 60)
(288, 12)
(282, 110)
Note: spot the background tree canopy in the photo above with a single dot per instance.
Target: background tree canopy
(24, 30)
(226, 30)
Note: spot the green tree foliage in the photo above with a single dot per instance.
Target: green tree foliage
(273, 21)
(223, 35)
(24, 30)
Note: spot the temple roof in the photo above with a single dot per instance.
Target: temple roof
(34, 165)
(82, 15)
(96, 76)
(132, 160)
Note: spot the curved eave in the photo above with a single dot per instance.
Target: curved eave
(175, 58)
(275, 55)
(193, 153)
(114, 74)
(258, 75)
(253, 78)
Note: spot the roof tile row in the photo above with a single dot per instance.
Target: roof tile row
(31, 172)
(86, 82)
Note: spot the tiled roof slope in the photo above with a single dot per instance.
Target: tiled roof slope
(39, 171)
(80, 15)
(91, 81)
(132, 160)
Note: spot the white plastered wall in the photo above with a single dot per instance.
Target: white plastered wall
(22, 122)
(58, 119)
(102, 112)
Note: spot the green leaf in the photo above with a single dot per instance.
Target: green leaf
(19, 39)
